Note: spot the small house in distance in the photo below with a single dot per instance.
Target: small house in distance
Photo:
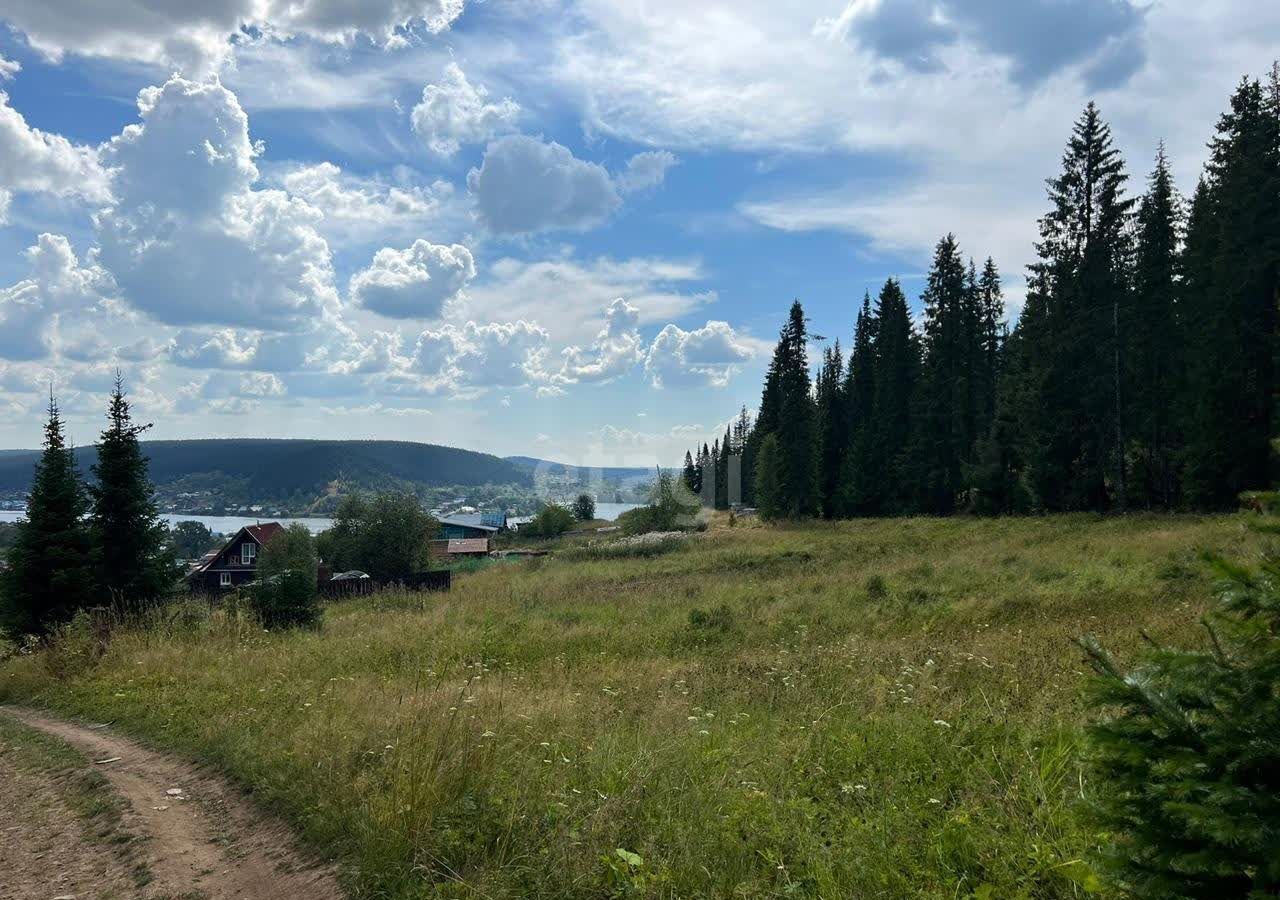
(236, 563)
(471, 525)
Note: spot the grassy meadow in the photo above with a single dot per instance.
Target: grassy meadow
(883, 708)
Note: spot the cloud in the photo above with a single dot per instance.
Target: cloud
(496, 354)
(188, 239)
(196, 38)
(1037, 37)
(414, 283)
(645, 170)
(568, 296)
(527, 185)
(32, 160)
(616, 350)
(360, 207)
(456, 112)
(57, 286)
(706, 357)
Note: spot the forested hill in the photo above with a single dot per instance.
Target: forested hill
(584, 474)
(274, 469)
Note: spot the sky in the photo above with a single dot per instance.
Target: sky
(559, 228)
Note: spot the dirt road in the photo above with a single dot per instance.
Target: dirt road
(199, 836)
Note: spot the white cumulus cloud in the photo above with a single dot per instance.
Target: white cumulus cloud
(706, 356)
(188, 238)
(456, 112)
(414, 283)
(196, 38)
(526, 185)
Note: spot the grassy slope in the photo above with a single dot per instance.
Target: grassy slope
(815, 737)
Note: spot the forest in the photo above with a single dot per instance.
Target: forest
(1140, 373)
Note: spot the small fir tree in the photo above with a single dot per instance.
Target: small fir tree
(1187, 760)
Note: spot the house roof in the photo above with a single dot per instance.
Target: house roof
(261, 533)
(470, 520)
(468, 545)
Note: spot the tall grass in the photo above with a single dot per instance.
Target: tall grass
(867, 709)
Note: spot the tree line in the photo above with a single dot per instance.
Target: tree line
(1140, 374)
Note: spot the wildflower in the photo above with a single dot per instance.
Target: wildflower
(942, 722)
(933, 800)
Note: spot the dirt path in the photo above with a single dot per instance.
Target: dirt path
(201, 838)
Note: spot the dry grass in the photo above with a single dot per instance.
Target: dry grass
(871, 709)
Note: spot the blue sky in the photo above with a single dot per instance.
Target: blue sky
(566, 228)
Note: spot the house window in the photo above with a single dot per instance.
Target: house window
(247, 553)
(224, 579)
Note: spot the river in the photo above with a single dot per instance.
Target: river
(316, 524)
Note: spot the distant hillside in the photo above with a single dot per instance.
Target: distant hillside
(582, 473)
(268, 470)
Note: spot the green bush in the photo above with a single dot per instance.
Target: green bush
(284, 596)
(1187, 763)
(671, 508)
(552, 521)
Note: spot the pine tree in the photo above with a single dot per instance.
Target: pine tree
(50, 575)
(722, 471)
(690, 474)
(833, 427)
(1078, 295)
(1232, 269)
(797, 426)
(706, 476)
(130, 555)
(896, 374)
(945, 418)
(990, 316)
(857, 491)
(1156, 359)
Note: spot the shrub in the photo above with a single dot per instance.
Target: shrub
(671, 508)
(284, 596)
(1188, 762)
(74, 647)
(877, 589)
(552, 521)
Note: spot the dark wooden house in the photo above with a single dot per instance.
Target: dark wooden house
(236, 563)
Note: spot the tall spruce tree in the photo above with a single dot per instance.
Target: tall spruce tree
(990, 317)
(130, 552)
(1078, 296)
(896, 374)
(857, 490)
(945, 417)
(1156, 357)
(797, 426)
(833, 427)
(1232, 269)
(50, 575)
(689, 475)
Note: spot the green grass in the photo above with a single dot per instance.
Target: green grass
(86, 793)
(883, 708)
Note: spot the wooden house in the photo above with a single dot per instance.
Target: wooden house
(236, 563)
